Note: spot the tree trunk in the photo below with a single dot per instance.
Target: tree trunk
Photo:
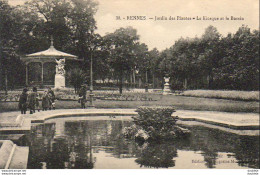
(134, 78)
(121, 84)
(210, 80)
(121, 87)
(146, 81)
(185, 83)
(153, 81)
(131, 80)
(162, 83)
(6, 82)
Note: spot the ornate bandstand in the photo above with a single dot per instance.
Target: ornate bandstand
(47, 67)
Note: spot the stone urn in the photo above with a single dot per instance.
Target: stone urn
(166, 89)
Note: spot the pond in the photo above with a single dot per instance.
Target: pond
(99, 144)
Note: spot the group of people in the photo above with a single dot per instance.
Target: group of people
(31, 100)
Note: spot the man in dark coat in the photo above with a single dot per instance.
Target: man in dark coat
(22, 101)
(32, 101)
(82, 96)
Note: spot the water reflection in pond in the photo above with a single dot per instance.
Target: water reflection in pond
(100, 144)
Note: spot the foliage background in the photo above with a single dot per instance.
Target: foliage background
(211, 61)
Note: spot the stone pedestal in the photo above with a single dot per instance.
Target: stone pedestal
(59, 81)
(166, 89)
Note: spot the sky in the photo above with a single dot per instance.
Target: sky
(163, 33)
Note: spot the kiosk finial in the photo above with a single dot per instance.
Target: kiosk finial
(51, 41)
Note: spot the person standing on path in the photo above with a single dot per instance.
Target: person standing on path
(37, 104)
(82, 96)
(46, 101)
(31, 100)
(22, 101)
(52, 98)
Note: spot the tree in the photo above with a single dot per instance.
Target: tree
(141, 62)
(121, 44)
(239, 67)
(27, 29)
(212, 53)
(164, 65)
(71, 22)
(230, 62)
(9, 36)
(54, 14)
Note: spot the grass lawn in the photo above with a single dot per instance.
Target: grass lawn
(180, 102)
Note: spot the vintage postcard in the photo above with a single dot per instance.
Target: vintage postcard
(169, 85)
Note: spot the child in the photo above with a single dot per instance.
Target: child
(52, 98)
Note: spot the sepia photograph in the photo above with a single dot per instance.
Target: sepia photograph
(163, 85)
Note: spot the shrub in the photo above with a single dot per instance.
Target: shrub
(76, 78)
(156, 121)
(222, 94)
(127, 96)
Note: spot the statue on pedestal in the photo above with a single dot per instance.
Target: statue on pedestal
(60, 66)
(60, 73)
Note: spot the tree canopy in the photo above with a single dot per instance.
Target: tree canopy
(211, 61)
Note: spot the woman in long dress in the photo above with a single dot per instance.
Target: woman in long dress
(46, 101)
